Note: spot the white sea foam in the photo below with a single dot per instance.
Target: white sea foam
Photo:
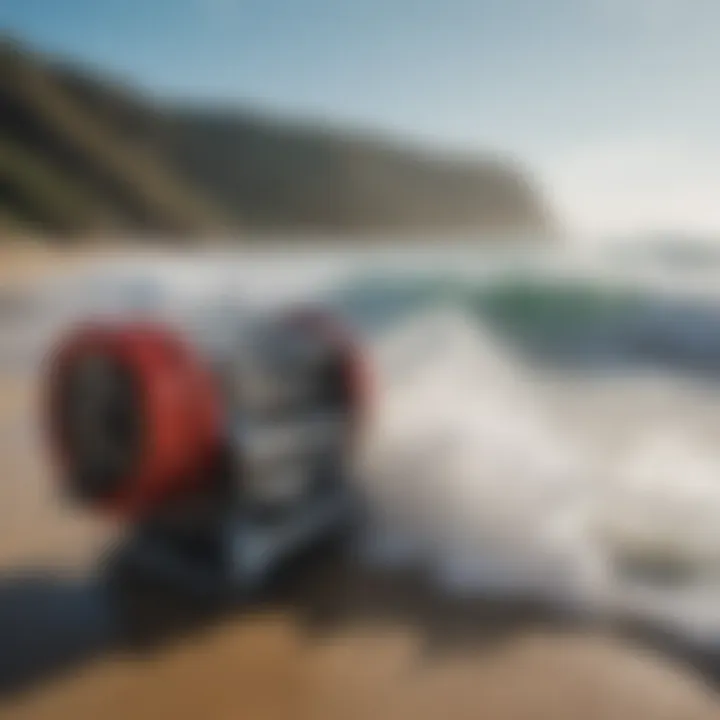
(463, 470)
(472, 477)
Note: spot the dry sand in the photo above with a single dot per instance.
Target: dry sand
(331, 642)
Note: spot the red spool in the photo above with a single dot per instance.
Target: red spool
(180, 408)
(356, 368)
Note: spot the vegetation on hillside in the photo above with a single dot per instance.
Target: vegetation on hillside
(80, 154)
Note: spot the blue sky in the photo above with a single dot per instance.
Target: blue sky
(613, 104)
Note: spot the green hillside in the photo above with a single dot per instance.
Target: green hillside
(84, 155)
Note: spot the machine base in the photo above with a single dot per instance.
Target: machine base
(234, 555)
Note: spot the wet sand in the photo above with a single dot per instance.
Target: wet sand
(330, 641)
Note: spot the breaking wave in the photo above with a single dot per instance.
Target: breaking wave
(554, 442)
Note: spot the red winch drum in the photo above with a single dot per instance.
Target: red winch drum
(134, 416)
(352, 379)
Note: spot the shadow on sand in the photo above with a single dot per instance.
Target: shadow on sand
(50, 624)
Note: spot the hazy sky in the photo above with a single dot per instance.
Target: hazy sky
(613, 104)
